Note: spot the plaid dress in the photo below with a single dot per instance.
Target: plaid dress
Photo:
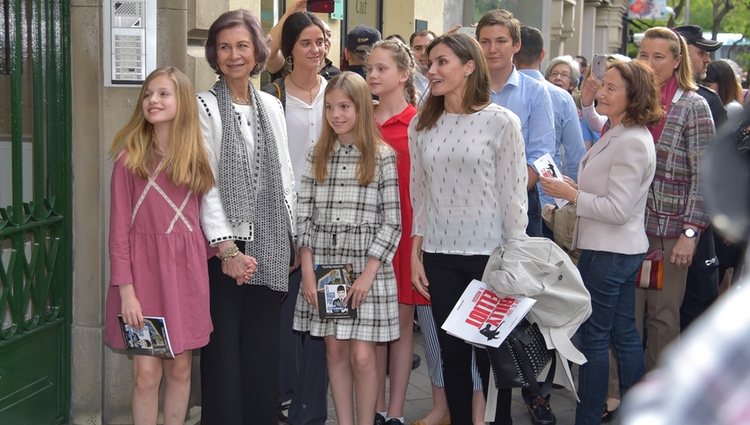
(343, 222)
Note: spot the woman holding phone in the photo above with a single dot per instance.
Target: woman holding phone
(614, 178)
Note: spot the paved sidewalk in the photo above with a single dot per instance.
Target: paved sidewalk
(419, 398)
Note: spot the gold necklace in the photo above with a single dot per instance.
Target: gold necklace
(237, 100)
(310, 91)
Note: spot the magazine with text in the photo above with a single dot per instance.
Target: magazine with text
(334, 281)
(546, 167)
(150, 340)
(482, 317)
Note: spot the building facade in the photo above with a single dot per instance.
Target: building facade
(57, 119)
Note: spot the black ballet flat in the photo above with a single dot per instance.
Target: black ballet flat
(608, 415)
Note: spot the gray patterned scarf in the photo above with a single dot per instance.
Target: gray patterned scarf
(252, 190)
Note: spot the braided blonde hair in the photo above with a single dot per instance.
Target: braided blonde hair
(405, 61)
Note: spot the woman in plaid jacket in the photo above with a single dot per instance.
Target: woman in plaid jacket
(675, 213)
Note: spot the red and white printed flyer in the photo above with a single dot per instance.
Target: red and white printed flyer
(546, 167)
(482, 317)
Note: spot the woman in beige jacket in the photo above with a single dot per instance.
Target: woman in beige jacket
(614, 179)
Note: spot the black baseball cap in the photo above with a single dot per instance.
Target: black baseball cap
(362, 37)
(694, 35)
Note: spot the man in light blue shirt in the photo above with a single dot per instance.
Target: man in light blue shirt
(499, 34)
(569, 147)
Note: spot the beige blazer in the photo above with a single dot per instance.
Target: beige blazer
(614, 179)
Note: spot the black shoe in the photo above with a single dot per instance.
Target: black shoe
(415, 361)
(608, 415)
(379, 419)
(394, 421)
(284, 410)
(541, 412)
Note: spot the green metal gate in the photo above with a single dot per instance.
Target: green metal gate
(35, 212)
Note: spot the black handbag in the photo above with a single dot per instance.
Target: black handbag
(521, 358)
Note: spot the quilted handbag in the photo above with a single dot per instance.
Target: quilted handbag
(521, 358)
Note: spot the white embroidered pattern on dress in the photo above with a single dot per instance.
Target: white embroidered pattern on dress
(178, 211)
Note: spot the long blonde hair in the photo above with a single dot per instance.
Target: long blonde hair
(186, 160)
(366, 136)
(679, 49)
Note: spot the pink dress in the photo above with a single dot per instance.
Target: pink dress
(156, 243)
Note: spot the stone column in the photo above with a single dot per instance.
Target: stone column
(608, 35)
(587, 28)
(573, 44)
(562, 26)
(88, 151)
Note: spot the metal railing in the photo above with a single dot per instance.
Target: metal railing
(35, 232)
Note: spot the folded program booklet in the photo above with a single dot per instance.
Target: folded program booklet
(546, 167)
(150, 340)
(334, 282)
(483, 317)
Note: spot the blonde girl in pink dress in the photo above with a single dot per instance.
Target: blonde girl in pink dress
(156, 247)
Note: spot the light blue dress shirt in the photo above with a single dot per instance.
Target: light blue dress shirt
(569, 147)
(530, 100)
(588, 133)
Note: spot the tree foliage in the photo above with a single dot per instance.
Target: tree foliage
(730, 16)
(714, 15)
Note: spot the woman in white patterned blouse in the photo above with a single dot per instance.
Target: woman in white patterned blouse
(468, 187)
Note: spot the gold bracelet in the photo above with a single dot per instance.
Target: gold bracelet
(228, 253)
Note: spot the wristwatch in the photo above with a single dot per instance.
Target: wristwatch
(689, 232)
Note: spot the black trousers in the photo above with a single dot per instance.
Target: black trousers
(304, 372)
(240, 364)
(449, 275)
(702, 283)
(534, 212)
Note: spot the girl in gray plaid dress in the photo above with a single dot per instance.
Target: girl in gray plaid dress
(348, 212)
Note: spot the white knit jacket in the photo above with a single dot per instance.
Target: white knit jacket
(215, 225)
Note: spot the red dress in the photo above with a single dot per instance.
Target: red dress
(156, 243)
(394, 132)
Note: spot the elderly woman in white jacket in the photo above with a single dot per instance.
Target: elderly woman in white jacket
(249, 217)
(614, 179)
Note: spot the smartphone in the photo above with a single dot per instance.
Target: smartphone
(320, 6)
(599, 66)
(471, 31)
